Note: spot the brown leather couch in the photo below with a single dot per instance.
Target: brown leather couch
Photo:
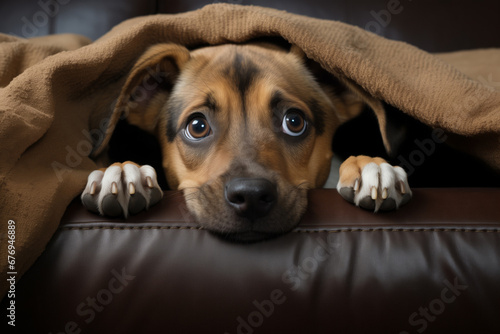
(431, 267)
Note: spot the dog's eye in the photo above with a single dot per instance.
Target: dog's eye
(294, 123)
(198, 128)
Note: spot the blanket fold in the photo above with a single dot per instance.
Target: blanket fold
(57, 97)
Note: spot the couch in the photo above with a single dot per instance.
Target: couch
(433, 266)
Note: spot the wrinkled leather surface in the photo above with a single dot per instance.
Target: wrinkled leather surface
(432, 266)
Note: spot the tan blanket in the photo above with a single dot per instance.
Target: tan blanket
(53, 106)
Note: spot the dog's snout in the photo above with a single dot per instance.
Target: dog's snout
(251, 198)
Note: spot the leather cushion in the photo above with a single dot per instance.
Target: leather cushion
(433, 265)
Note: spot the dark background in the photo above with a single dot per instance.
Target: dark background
(435, 26)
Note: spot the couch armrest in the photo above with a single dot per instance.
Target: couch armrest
(434, 265)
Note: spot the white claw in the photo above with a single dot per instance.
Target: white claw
(114, 188)
(131, 188)
(356, 185)
(402, 187)
(149, 182)
(93, 188)
(374, 193)
(385, 193)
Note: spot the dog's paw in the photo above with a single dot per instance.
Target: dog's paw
(121, 189)
(373, 184)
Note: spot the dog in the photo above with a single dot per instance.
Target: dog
(245, 131)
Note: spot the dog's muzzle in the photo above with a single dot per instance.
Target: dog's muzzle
(247, 205)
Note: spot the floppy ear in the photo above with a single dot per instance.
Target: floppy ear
(149, 84)
(348, 97)
(147, 88)
(347, 103)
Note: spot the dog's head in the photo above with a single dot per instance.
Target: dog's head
(245, 131)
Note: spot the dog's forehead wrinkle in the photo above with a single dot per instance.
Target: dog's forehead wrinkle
(241, 73)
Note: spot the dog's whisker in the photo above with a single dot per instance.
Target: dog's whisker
(303, 186)
(191, 197)
(171, 194)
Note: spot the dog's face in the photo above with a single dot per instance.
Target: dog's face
(245, 131)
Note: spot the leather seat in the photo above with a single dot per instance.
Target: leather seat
(432, 266)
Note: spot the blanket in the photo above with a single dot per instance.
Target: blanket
(57, 98)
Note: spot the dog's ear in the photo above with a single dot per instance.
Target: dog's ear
(349, 98)
(146, 89)
(149, 84)
(347, 103)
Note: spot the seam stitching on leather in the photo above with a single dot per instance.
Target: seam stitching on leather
(474, 230)
(482, 230)
(132, 228)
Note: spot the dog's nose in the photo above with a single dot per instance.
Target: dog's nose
(251, 197)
